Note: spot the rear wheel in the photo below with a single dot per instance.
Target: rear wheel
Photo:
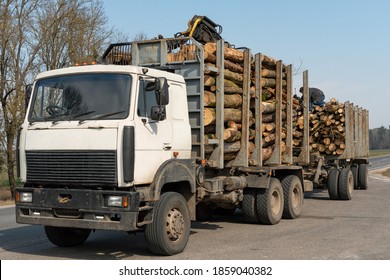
(345, 184)
(355, 175)
(169, 231)
(269, 204)
(249, 206)
(333, 179)
(293, 197)
(66, 237)
(363, 176)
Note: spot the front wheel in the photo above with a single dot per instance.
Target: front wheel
(66, 237)
(169, 231)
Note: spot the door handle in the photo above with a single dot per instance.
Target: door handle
(167, 146)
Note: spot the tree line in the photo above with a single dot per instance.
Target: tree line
(41, 35)
(380, 138)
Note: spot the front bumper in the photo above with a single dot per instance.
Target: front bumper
(78, 208)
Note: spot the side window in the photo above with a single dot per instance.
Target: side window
(146, 98)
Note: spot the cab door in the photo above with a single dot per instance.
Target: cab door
(153, 139)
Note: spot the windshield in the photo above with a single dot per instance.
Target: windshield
(81, 97)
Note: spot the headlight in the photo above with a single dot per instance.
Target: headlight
(117, 201)
(24, 197)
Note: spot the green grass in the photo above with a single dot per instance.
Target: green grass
(378, 153)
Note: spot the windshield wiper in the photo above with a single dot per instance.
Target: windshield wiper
(99, 117)
(83, 114)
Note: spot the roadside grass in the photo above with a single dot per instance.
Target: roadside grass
(386, 173)
(378, 153)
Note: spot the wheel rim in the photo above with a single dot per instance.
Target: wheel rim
(350, 183)
(275, 202)
(296, 198)
(174, 224)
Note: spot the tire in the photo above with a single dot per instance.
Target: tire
(293, 197)
(269, 203)
(363, 176)
(345, 184)
(355, 175)
(169, 231)
(66, 237)
(333, 179)
(249, 206)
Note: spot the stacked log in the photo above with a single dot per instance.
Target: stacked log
(233, 90)
(327, 128)
(233, 98)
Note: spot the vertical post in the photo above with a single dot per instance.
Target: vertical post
(304, 157)
(134, 54)
(163, 52)
(288, 154)
(367, 132)
(257, 155)
(218, 153)
(276, 157)
(243, 155)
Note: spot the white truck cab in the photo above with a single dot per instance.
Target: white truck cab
(94, 151)
(84, 110)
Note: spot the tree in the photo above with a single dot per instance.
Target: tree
(72, 31)
(18, 52)
(41, 35)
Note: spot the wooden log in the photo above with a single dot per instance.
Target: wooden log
(268, 118)
(209, 80)
(267, 73)
(230, 114)
(267, 107)
(229, 53)
(266, 82)
(266, 153)
(208, 57)
(230, 100)
(269, 127)
(229, 75)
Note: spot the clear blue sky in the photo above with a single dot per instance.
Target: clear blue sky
(345, 44)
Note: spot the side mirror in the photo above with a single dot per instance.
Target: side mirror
(162, 92)
(158, 113)
(28, 94)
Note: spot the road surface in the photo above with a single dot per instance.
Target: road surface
(355, 229)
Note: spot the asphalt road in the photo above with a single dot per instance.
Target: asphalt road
(355, 229)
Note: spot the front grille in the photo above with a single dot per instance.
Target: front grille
(74, 168)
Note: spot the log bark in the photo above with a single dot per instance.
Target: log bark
(209, 57)
(209, 80)
(229, 53)
(230, 114)
(230, 100)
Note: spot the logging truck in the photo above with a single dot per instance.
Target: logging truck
(166, 132)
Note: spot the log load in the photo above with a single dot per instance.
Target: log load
(327, 128)
(233, 98)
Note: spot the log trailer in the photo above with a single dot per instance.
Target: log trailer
(124, 146)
